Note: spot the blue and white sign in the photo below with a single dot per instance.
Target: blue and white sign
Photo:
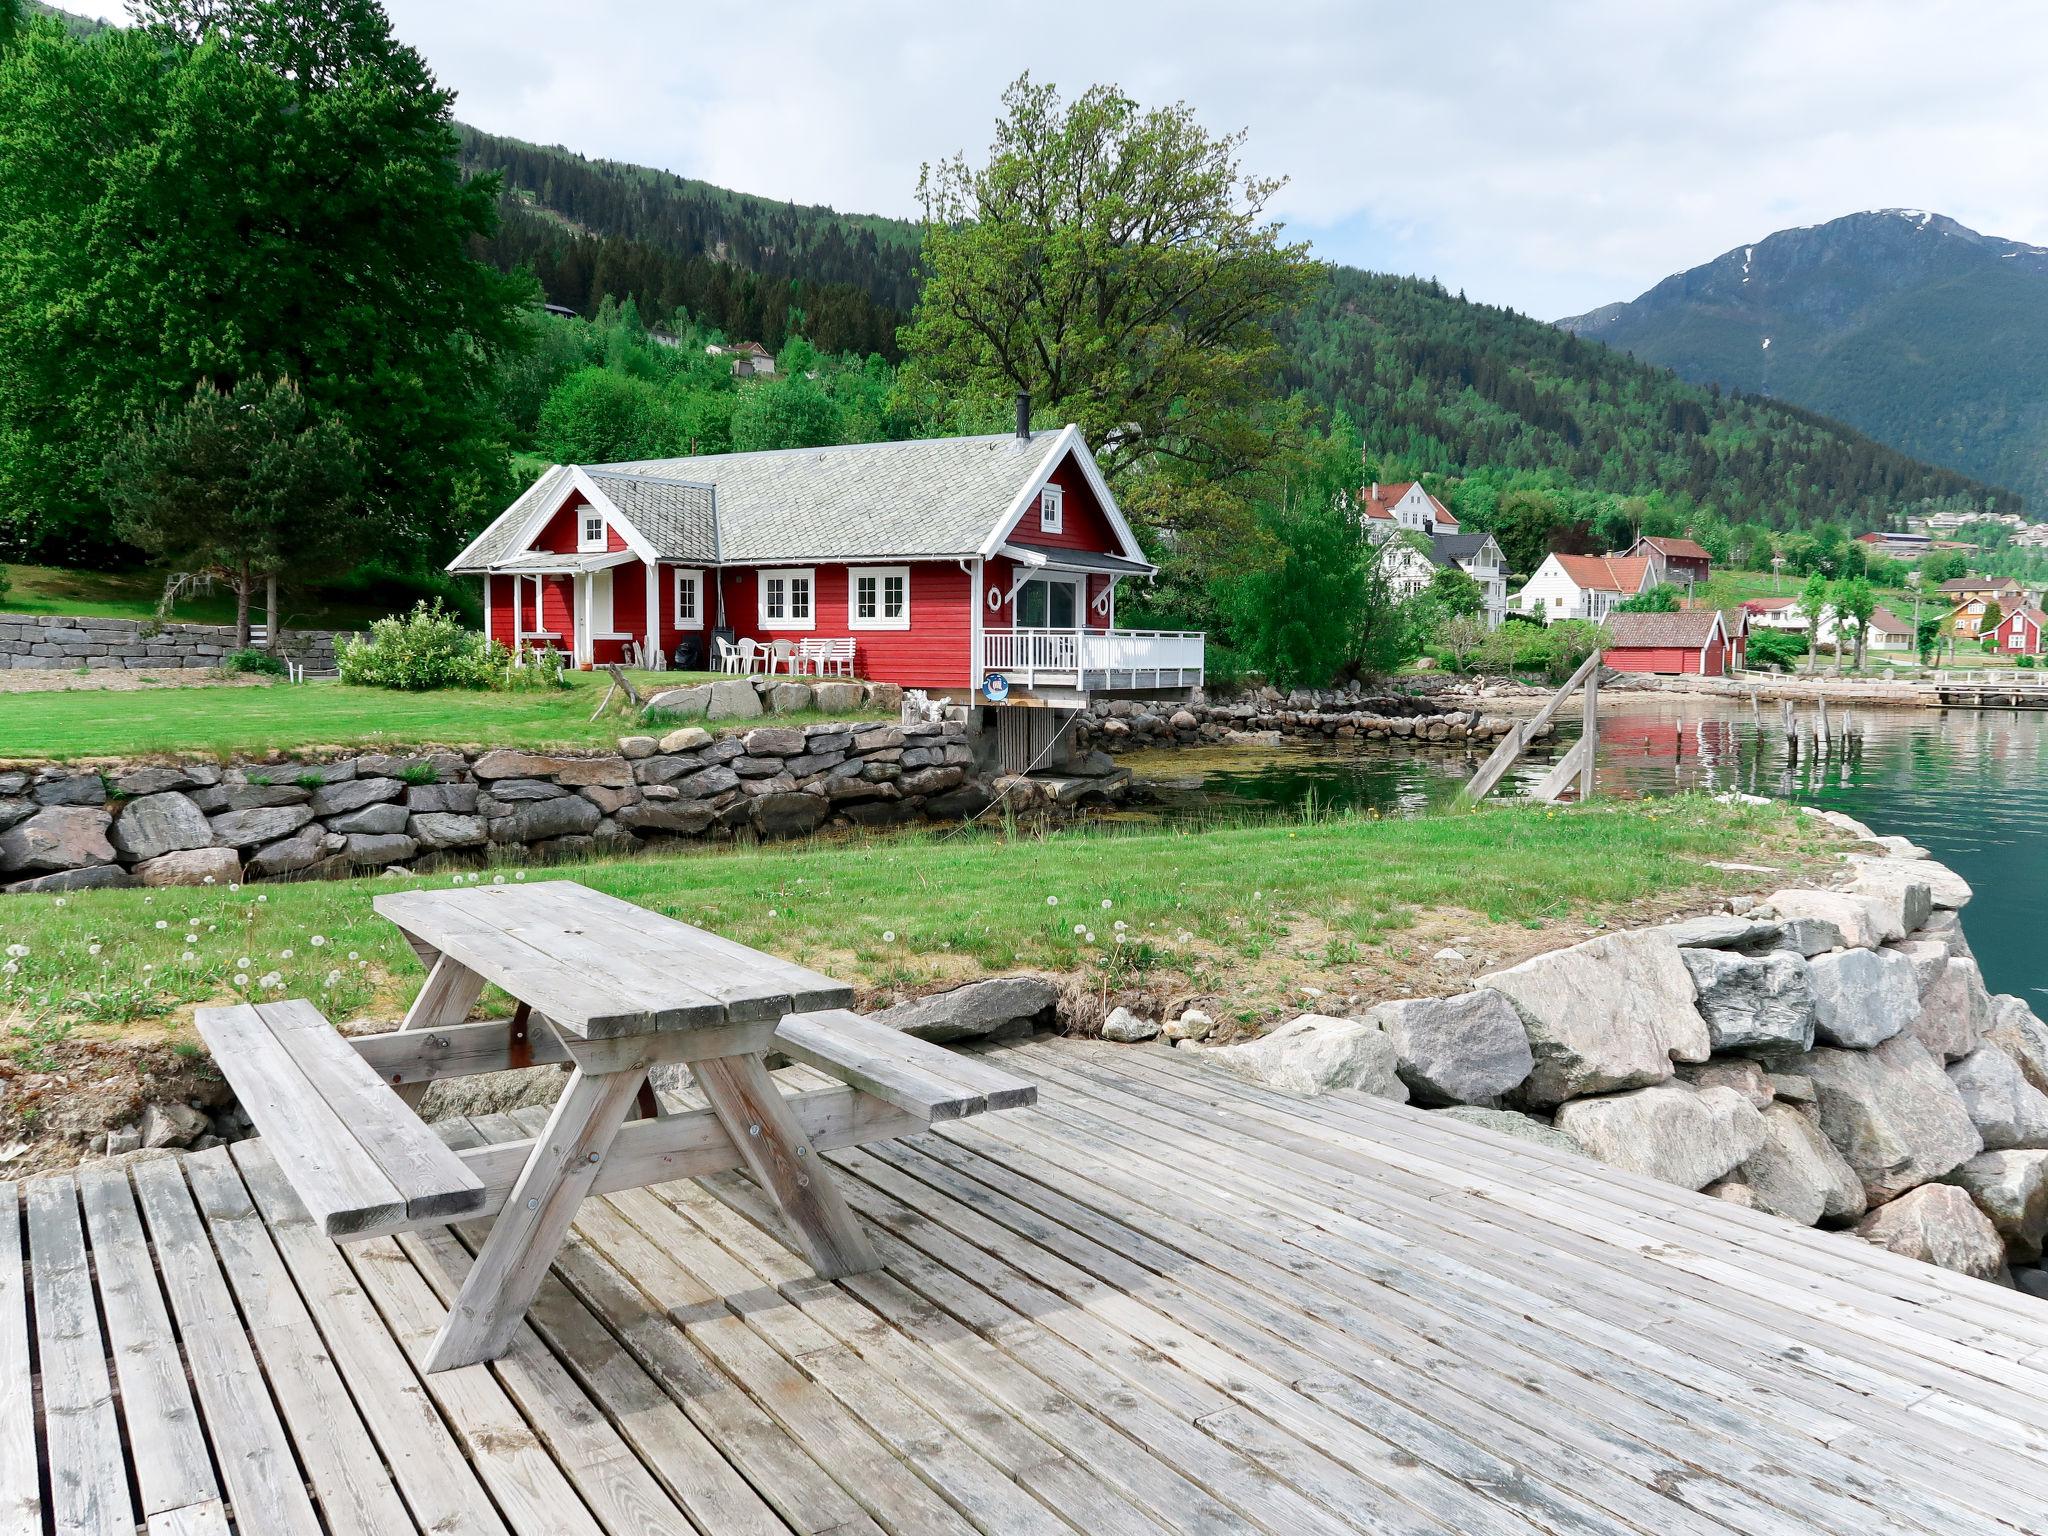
(995, 687)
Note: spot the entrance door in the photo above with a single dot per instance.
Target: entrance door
(1049, 602)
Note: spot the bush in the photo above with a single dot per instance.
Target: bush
(252, 660)
(428, 648)
(2023, 661)
(1775, 648)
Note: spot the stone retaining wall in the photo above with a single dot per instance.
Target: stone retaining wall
(64, 828)
(1830, 1056)
(61, 642)
(1121, 725)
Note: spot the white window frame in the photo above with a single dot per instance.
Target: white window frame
(585, 516)
(880, 575)
(604, 606)
(693, 580)
(788, 575)
(1052, 509)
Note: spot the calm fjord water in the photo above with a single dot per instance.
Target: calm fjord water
(1970, 787)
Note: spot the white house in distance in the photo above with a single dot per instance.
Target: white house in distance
(1583, 586)
(1432, 542)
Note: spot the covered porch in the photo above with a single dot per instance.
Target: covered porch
(1056, 630)
(595, 608)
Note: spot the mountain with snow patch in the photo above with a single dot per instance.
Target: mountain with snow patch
(1922, 332)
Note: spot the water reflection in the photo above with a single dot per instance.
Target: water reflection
(1971, 787)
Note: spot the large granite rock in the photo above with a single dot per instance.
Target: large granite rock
(1316, 1053)
(154, 780)
(1863, 996)
(87, 877)
(387, 817)
(1809, 936)
(1508, 1122)
(1607, 1014)
(301, 850)
(1798, 1174)
(1938, 1224)
(1723, 930)
(735, 700)
(192, 866)
(671, 817)
(1905, 899)
(1946, 889)
(535, 820)
(57, 837)
(1955, 1012)
(788, 815)
(160, 823)
(379, 848)
(2016, 1031)
(1469, 1049)
(2011, 1187)
(693, 700)
(1862, 922)
(354, 794)
(1746, 1077)
(1755, 1005)
(261, 824)
(1929, 957)
(1892, 1113)
(2007, 1110)
(1001, 1008)
(1672, 1131)
(446, 829)
(596, 772)
(836, 698)
(58, 787)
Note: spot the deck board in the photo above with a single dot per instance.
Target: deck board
(1159, 1302)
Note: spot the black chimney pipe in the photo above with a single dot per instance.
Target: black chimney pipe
(1024, 413)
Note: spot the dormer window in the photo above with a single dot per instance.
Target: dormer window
(1051, 509)
(592, 537)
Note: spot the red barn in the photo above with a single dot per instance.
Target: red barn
(943, 561)
(1692, 641)
(1679, 561)
(2019, 632)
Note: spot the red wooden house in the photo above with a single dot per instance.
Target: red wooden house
(2019, 633)
(952, 564)
(1681, 562)
(1691, 641)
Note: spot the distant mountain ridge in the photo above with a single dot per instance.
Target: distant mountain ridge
(1902, 322)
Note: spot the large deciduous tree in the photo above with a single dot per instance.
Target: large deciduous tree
(1119, 265)
(235, 189)
(241, 487)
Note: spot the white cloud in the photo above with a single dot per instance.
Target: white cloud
(1551, 157)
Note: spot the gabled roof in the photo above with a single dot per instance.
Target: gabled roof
(1377, 501)
(2033, 616)
(1605, 573)
(1688, 628)
(1448, 547)
(934, 498)
(1685, 549)
(1980, 584)
(1883, 619)
(1770, 604)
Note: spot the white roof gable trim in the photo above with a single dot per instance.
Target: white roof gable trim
(1069, 441)
(549, 504)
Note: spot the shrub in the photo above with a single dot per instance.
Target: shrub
(545, 668)
(2023, 661)
(252, 660)
(428, 648)
(1775, 648)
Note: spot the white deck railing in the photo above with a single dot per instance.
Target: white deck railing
(1116, 658)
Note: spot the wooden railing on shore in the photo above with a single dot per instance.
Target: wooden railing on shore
(1577, 764)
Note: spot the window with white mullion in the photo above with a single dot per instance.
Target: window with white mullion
(689, 599)
(788, 599)
(878, 597)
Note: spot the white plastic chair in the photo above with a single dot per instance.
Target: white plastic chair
(782, 655)
(838, 657)
(730, 657)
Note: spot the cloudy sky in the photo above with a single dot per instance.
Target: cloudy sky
(1549, 156)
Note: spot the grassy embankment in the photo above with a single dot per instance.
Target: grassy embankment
(223, 722)
(56, 590)
(1251, 918)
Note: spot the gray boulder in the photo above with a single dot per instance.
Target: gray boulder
(256, 797)
(1809, 936)
(301, 850)
(385, 818)
(1945, 888)
(87, 877)
(1929, 957)
(676, 818)
(354, 794)
(1756, 1005)
(505, 791)
(1316, 1053)
(788, 698)
(59, 788)
(153, 780)
(774, 741)
(735, 700)
(1124, 1027)
(171, 1124)
(1955, 1012)
(263, 824)
(379, 848)
(1906, 899)
(693, 700)
(1892, 1113)
(161, 823)
(1000, 1008)
(1798, 1174)
(707, 782)
(1607, 1014)
(1469, 1049)
(192, 866)
(446, 829)
(2011, 1187)
(1863, 996)
(596, 772)
(535, 820)
(1862, 922)
(786, 814)
(835, 698)
(1682, 1135)
(690, 738)
(1507, 1122)
(57, 837)
(1723, 930)
(2016, 1031)
(2007, 1110)
(1938, 1224)
(508, 763)
(1746, 1077)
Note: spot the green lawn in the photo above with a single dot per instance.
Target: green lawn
(1252, 914)
(133, 595)
(223, 722)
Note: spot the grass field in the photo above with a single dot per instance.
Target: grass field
(133, 595)
(1255, 915)
(223, 722)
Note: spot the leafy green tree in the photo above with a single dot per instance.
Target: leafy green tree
(1530, 524)
(244, 188)
(1855, 601)
(1813, 602)
(1118, 264)
(1454, 594)
(241, 488)
(12, 20)
(1994, 615)
(1662, 598)
(596, 416)
(783, 412)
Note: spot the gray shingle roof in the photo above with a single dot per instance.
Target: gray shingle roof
(498, 542)
(1689, 628)
(676, 516)
(1447, 547)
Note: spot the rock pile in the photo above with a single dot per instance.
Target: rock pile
(1118, 725)
(1828, 1056)
(63, 828)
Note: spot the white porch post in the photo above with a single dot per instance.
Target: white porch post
(518, 651)
(653, 656)
(579, 620)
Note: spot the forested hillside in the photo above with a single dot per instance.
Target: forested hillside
(1435, 383)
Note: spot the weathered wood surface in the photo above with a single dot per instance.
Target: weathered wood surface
(1158, 1300)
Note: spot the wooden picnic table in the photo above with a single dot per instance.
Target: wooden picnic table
(611, 991)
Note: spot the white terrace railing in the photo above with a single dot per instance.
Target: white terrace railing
(1105, 659)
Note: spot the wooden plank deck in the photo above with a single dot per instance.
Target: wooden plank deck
(1159, 1301)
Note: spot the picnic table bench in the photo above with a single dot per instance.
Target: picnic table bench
(610, 991)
